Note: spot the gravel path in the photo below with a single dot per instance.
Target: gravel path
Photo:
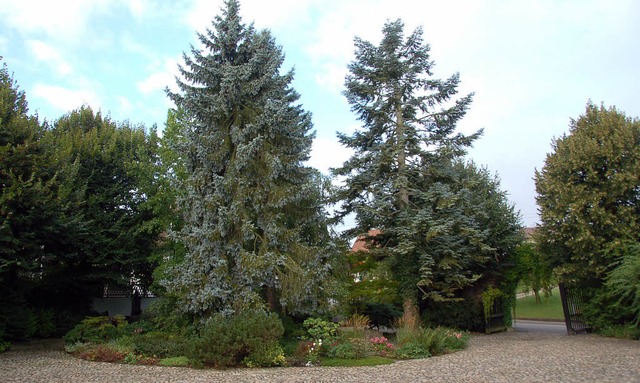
(505, 357)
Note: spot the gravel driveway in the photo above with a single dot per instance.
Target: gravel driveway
(504, 357)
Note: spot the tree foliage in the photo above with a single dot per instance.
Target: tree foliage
(25, 184)
(536, 274)
(107, 182)
(75, 212)
(404, 177)
(589, 192)
(589, 199)
(253, 219)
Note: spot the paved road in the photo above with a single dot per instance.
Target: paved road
(525, 357)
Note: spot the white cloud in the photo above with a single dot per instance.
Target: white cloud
(154, 82)
(201, 13)
(275, 14)
(331, 76)
(124, 104)
(139, 8)
(65, 99)
(327, 153)
(160, 78)
(50, 56)
(61, 20)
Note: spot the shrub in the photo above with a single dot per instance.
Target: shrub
(434, 341)
(624, 332)
(21, 323)
(412, 351)
(98, 329)
(159, 343)
(176, 361)
(350, 345)
(382, 346)
(320, 329)
(102, 353)
(4, 345)
(228, 341)
(342, 351)
(46, 322)
(292, 328)
(162, 314)
(303, 353)
(270, 357)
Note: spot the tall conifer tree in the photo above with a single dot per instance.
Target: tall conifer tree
(409, 122)
(254, 229)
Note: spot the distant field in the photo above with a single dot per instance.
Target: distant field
(549, 308)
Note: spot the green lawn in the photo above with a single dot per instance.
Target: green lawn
(368, 361)
(549, 308)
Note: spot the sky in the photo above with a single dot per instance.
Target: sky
(532, 64)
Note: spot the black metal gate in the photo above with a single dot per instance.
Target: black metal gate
(572, 302)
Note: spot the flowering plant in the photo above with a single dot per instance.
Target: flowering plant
(313, 355)
(382, 345)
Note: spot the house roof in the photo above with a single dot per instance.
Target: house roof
(529, 232)
(361, 242)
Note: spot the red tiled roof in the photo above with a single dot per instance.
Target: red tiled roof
(361, 243)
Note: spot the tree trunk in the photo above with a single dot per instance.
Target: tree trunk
(410, 316)
(402, 160)
(536, 293)
(272, 300)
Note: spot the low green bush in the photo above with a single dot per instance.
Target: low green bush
(270, 357)
(4, 345)
(342, 351)
(630, 331)
(412, 351)
(102, 353)
(46, 322)
(163, 316)
(99, 329)
(159, 343)
(431, 341)
(292, 329)
(320, 329)
(176, 361)
(249, 337)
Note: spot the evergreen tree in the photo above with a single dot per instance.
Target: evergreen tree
(409, 123)
(253, 222)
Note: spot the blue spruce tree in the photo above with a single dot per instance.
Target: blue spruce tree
(254, 229)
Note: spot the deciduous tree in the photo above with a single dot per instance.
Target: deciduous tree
(589, 192)
(589, 200)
